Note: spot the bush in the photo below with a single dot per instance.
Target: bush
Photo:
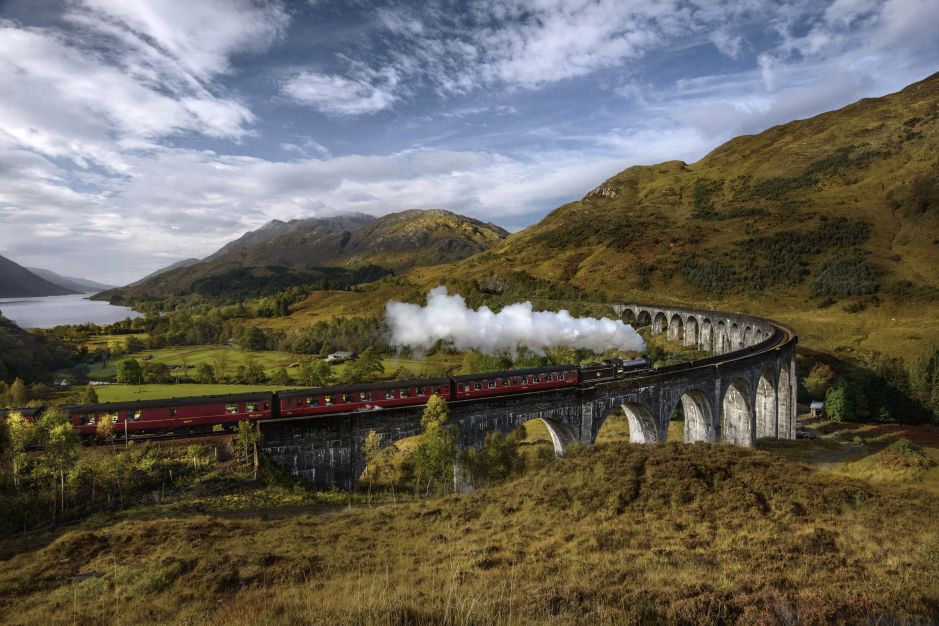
(905, 454)
(817, 381)
(841, 277)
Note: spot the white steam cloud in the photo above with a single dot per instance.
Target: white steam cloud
(516, 326)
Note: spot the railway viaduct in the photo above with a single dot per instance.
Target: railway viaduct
(743, 391)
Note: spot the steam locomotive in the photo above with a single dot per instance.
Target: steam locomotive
(190, 416)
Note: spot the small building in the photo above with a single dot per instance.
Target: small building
(339, 357)
(817, 409)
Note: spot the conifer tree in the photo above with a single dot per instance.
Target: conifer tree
(89, 395)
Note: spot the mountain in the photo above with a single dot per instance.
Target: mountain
(32, 357)
(311, 228)
(18, 282)
(80, 285)
(841, 206)
(335, 252)
(168, 268)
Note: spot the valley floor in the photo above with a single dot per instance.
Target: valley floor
(836, 529)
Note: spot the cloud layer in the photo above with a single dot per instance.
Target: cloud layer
(133, 134)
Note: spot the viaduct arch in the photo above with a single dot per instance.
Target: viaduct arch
(742, 391)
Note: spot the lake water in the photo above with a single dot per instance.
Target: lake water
(58, 310)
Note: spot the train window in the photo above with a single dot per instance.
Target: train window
(112, 417)
(328, 400)
(231, 409)
(459, 387)
(531, 380)
(251, 407)
(299, 402)
(444, 390)
(492, 384)
(267, 405)
(366, 396)
(389, 394)
(505, 382)
(421, 390)
(477, 385)
(87, 419)
(347, 398)
(137, 414)
(405, 392)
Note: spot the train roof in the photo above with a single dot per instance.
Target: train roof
(385, 384)
(25, 412)
(523, 372)
(144, 404)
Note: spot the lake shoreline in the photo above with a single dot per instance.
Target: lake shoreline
(51, 311)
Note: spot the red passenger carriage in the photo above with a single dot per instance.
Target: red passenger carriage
(515, 381)
(176, 414)
(364, 397)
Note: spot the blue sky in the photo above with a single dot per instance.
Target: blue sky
(134, 134)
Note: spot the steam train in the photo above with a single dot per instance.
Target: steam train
(190, 416)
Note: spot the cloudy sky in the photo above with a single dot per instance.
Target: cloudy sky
(137, 133)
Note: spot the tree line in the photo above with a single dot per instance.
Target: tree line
(47, 477)
(888, 389)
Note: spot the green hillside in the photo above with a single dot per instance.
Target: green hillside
(330, 253)
(829, 223)
(27, 355)
(842, 205)
(18, 282)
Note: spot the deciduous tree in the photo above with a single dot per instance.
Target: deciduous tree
(22, 433)
(281, 377)
(247, 439)
(316, 373)
(205, 374)
(60, 446)
(104, 428)
(129, 372)
(436, 451)
(371, 452)
(818, 380)
(368, 366)
(19, 394)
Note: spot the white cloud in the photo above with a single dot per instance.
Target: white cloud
(336, 95)
(131, 73)
(200, 37)
(729, 45)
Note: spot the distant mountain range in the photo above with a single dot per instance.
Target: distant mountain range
(335, 251)
(80, 285)
(18, 282)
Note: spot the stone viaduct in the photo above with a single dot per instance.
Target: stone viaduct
(743, 391)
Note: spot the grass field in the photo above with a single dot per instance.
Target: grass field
(120, 393)
(233, 356)
(672, 533)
